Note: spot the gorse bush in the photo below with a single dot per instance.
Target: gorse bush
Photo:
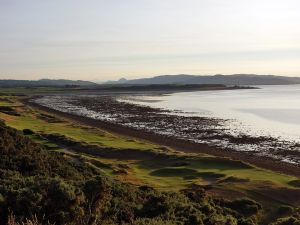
(49, 187)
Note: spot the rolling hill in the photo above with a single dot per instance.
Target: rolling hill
(236, 79)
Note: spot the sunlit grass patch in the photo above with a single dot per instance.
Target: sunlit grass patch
(30, 120)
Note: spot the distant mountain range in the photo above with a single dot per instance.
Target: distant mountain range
(44, 82)
(236, 79)
(183, 79)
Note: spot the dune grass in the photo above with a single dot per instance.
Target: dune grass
(9, 101)
(29, 119)
(224, 175)
(35, 120)
(78, 133)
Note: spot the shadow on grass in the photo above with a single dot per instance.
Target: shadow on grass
(220, 164)
(295, 183)
(185, 173)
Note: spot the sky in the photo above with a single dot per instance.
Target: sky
(108, 39)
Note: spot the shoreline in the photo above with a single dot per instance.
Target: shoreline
(175, 143)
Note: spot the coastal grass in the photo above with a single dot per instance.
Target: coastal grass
(34, 120)
(212, 175)
(9, 101)
(222, 175)
(159, 174)
(268, 188)
(76, 132)
(264, 186)
(242, 170)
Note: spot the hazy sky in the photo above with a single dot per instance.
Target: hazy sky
(109, 39)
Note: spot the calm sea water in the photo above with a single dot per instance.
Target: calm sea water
(270, 110)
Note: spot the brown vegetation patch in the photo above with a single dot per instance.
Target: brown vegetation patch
(232, 179)
(295, 183)
(49, 118)
(9, 111)
(280, 195)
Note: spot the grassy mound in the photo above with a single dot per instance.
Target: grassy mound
(295, 183)
(186, 173)
(43, 185)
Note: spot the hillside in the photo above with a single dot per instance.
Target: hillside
(237, 79)
(59, 169)
(53, 187)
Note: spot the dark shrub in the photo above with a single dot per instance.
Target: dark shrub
(28, 132)
(244, 221)
(285, 209)
(287, 221)
(244, 206)
(67, 191)
(154, 207)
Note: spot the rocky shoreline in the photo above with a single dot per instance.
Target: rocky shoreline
(184, 133)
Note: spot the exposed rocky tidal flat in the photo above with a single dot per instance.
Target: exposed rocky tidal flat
(173, 124)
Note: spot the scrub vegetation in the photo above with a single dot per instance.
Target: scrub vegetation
(59, 171)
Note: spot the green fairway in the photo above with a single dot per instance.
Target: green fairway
(32, 120)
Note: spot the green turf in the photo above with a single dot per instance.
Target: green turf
(9, 101)
(166, 174)
(241, 170)
(228, 178)
(77, 132)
